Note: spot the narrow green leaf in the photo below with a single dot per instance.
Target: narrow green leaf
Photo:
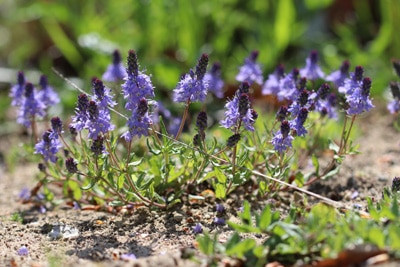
(220, 191)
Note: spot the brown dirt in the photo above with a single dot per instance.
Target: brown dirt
(161, 238)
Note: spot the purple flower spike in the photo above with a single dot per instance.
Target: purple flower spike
(239, 111)
(56, 125)
(359, 101)
(282, 139)
(214, 81)
(353, 83)
(115, 72)
(71, 165)
(298, 123)
(102, 95)
(47, 95)
(288, 86)
(139, 122)
(312, 71)
(31, 106)
(48, 146)
(192, 87)
(81, 117)
(17, 90)
(98, 122)
(272, 84)
(97, 146)
(251, 71)
(338, 77)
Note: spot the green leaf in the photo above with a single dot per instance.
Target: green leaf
(241, 248)
(76, 190)
(315, 162)
(135, 163)
(221, 177)
(206, 244)
(220, 191)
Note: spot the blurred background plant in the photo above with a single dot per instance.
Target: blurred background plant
(78, 38)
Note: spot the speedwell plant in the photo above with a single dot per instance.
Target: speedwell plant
(122, 147)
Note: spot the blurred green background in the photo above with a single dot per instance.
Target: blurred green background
(77, 37)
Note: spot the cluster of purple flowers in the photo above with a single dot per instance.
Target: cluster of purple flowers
(94, 115)
(292, 89)
(32, 103)
(50, 143)
(136, 89)
(193, 87)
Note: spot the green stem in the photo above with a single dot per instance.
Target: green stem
(185, 113)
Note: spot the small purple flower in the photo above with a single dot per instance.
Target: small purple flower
(352, 83)
(102, 95)
(328, 106)
(137, 84)
(282, 139)
(193, 87)
(42, 209)
(99, 121)
(128, 257)
(197, 229)
(115, 72)
(81, 117)
(298, 123)
(24, 194)
(251, 71)
(31, 106)
(214, 81)
(238, 110)
(219, 221)
(23, 251)
(139, 122)
(303, 100)
(288, 86)
(272, 84)
(76, 205)
(17, 90)
(48, 146)
(47, 95)
(359, 100)
(338, 77)
(312, 71)
(219, 208)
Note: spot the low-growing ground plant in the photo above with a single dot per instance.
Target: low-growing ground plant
(123, 148)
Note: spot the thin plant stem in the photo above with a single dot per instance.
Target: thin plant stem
(184, 116)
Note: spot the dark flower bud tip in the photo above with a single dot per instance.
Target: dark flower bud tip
(254, 55)
(314, 56)
(42, 167)
(43, 81)
(216, 68)
(73, 131)
(201, 121)
(93, 110)
(282, 113)
(396, 184)
(233, 140)
(56, 124)
(143, 107)
(196, 140)
(358, 73)
(244, 88)
(396, 66)
(280, 70)
(98, 88)
(28, 90)
(323, 91)
(285, 128)
(303, 98)
(254, 115)
(366, 86)
(302, 83)
(201, 66)
(344, 69)
(133, 65)
(303, 113)
(71, 165)
(21, 78)
(97, 146)
(244, 104)
(395, 88)
(83, 102)
(116, 57)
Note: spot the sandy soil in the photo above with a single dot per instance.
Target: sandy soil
(162, 238)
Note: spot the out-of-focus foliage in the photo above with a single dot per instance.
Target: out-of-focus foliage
(78, 36)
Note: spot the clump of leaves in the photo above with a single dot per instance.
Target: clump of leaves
(305, 236)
